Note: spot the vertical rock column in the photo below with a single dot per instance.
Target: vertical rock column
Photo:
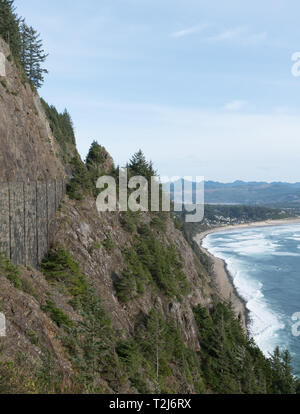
(26, 210)
(31, 248)
(42, 220)
(17, 223)
(4, 219)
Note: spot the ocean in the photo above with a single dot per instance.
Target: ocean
(264, 263)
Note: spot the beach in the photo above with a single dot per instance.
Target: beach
(222, 277)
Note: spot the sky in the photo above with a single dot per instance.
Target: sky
(203, 87)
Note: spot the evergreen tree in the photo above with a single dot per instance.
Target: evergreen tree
(80, 185)
(24, 42)
(94, 156)
(61, 126)
(10, 26)
(24, 34)
(97, 163)
(67, 126)
(32, 54)
(277, 370)
(289, 386)
(138, 165)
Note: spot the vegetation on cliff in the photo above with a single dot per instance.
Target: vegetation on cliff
(24, 41)
(150, 263)
(233, 364)
(154, 358)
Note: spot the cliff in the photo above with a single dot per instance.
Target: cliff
(35, 304)
(32, 302)
(28, 148)
(121, 303)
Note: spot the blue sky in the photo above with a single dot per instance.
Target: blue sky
(203, 87)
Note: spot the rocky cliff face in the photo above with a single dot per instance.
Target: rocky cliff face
(32, 327)
(112, 307)
(93, 257)
(28, 149)
(83, 231)
(78, 228)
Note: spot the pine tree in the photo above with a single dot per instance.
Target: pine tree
(24, 34)
(24, 42)
(138, 165)
(289, 386)
(32, 54)
(67, 126)
(10, 26)
(277, 371)
(94, 156)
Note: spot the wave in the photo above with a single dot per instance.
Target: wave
(265, 324)
(254, 246)
(286, 254)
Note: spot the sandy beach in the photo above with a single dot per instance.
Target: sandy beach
(222, 278)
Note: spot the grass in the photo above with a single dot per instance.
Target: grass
(60, 267)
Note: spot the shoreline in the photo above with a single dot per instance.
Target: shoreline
(222, 277)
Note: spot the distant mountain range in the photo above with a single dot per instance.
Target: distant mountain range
(250, 193)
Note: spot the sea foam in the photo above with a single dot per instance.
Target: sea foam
(264, 323)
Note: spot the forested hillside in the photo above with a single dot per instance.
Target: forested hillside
(256, 193)
(277, 194)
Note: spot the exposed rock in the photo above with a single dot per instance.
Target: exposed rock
(88, 228)
(28, 149)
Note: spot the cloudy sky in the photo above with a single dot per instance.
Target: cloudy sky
(204, 87)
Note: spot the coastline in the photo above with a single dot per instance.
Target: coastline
(223, 278)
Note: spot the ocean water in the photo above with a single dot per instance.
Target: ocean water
(264, 263)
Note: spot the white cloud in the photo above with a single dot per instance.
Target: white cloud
(235, 105)
(228, 34)
(240, 34)
(189, 31)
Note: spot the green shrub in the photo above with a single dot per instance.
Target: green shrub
(56, 314)
(3, 83)
(128, 221)
(126, 287)
(12, 273)
(33, 337)
(60, 267)
(159, 223)
(109, 244)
